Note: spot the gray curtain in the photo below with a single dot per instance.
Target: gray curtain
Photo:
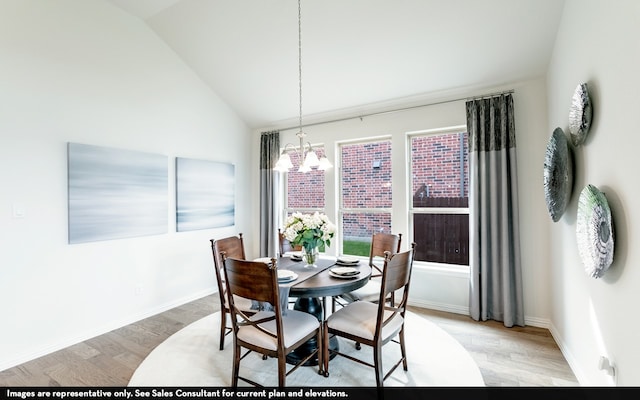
(496, 280)
(269, 153)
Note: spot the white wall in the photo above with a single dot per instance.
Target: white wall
(598, 44)
(84, 71)
(434, 287)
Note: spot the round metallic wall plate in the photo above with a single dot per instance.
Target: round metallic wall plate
(594, 231)
(580, 114)
(558, 174)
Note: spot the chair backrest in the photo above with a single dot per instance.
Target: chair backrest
(232, 246)
(285, 245)
(396, 275)
(257, 281)
(380, 244)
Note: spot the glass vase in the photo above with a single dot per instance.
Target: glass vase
(310, 255)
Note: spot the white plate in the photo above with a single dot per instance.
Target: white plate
(266, 260)
(346, 264)
(286, 276)
(345, 271)
(348, 259)
(343, 276)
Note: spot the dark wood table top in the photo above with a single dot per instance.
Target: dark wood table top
(323, 284)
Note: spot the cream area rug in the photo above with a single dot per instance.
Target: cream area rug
(191, 357)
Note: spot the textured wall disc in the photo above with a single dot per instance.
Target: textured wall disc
(594, 230)
(580, 115)
(558, 174)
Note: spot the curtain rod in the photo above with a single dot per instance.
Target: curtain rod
(397, 110)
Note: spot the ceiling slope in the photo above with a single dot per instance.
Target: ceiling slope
(355, 53)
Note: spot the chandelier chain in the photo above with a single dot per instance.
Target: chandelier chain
(306, 155)
(300, 65)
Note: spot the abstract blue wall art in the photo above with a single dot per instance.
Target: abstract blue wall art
(205, 194)
(116, 193)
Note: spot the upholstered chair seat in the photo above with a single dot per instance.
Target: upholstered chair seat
(296, 325)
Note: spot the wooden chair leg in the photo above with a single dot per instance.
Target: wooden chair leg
(320, 354)
(282, 360)
(403, 351)
(325, 349)
(223, 328)
(236, 366)
(377, 362)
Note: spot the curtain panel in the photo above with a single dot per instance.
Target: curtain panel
(495, 290)
(269, 153)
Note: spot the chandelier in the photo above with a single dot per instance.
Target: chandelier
(304, 150)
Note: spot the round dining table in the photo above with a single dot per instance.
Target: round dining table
(311, 294)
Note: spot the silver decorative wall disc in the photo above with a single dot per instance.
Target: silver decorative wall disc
(594, 230)
(580, 115)
(558, 174)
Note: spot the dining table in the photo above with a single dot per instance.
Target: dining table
(311, 288)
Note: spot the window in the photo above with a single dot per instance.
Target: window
(365, 194)
(305, 191)
(439, 211)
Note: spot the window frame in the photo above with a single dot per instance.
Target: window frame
(340, 209)
(412, 210)
(286, 210)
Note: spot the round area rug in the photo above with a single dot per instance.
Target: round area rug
(191, 357)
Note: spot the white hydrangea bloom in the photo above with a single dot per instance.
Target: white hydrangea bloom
(309, 230)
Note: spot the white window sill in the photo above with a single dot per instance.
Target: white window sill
(442, 269)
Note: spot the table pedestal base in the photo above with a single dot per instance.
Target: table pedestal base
(312, 306)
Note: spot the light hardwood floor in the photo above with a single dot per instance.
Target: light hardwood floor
(506, 356)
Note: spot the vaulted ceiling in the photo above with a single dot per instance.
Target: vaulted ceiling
(356, 54)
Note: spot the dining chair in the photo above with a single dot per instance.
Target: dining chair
(380, 244)
(285, 244)
(268, 331)
(375, 324)
(232, 246)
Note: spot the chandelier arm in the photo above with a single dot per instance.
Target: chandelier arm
(290, 147)
(294, 148)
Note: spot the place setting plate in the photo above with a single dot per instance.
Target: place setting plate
(347, 261)
(344, 272)
(285, 275)
(266, 260)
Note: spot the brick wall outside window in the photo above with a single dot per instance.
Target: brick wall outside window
(366, 183)
(365, 173)
(305, 190)
(437, 167)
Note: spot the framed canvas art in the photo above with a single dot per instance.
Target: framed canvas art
(115, 193)
(205, 194)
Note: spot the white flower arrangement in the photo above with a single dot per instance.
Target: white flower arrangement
(309, 230)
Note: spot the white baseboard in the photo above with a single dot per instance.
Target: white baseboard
(452, 308)
(456, 309)
(571, 360)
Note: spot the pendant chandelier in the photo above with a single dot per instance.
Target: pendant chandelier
(306, 155)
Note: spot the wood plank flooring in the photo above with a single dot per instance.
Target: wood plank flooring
(506, 356)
